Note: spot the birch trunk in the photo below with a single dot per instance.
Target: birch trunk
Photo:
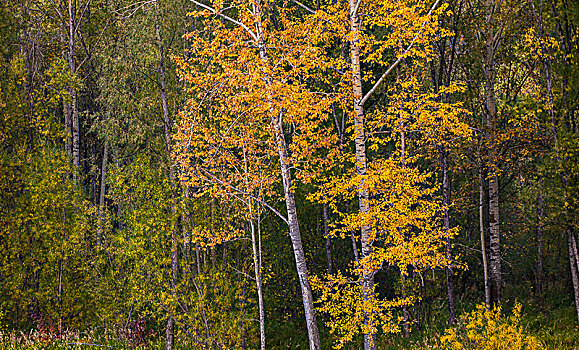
(482, 239)
(294, 231)
(363, 192)
(539, 242)
(495, 245)
(490, 114)
(72, 108)
(292, 219)
(102, 194)
(573, 267)
(257, 268)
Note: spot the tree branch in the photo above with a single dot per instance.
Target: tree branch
(355, 12)
(247, 194)
(304, 6)
(227, 18)
(373, 89)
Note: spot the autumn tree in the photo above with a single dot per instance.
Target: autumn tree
(261, 74)
(396, 220)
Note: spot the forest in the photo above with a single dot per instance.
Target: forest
(289, 174)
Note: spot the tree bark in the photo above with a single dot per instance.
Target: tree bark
(490, 114)
(170, 332)
(257, 268)
(495, 245)
(72, 108)
(573, 267)
(539, 242)
(482, 239)
(292, 219)
(361, 171)
(295, 236)
(102, 194)
(296, 240)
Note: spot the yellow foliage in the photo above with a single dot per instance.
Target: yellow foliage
(343, 301)
(484, 329)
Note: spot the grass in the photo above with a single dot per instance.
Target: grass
(556, 328)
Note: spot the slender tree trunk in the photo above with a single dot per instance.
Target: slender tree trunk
(446, 216)
(328, 240)
(102, 194)
(482, 239)
(490, 113)
(73, 109)
(573, 267)
(539, 242)
(295, 236)
(68, 125)
(363, 192)
(28, 45)
(212, 249)
(354, 247)
(198, 259)
(256, 252)
(574, 247)
(167, 131)
(75, 131)
(292, 219)
(257, 268)
(170, 332)
(495, 252)
(243, 302)
(405, 311)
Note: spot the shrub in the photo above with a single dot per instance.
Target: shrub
(484, 329)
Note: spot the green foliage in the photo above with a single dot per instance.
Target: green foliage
(47, 225)
(55, 275)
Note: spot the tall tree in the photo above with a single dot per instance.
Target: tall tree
(385, 181)
(493, 38)
(267, 84)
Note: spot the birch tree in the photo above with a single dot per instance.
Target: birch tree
(394, 217)
(259, 70)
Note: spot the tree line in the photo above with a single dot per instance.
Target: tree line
(220, 170)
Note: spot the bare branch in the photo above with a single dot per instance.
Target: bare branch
(227, 18)
(355, 12)
(264, 203)
(373, 89)
(81, 16)
(304, 6)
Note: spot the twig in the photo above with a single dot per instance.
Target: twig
(367, 96)
(228, 18)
